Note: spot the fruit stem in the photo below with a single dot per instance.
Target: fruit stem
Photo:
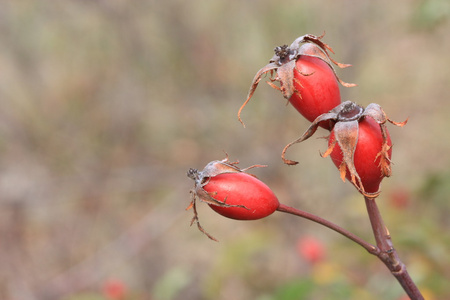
(293, 211)
(387, 253)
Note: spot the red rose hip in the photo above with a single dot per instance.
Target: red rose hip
(231, 192)
(306, 77)
(316, 88)
(244, 190)
(359, 144)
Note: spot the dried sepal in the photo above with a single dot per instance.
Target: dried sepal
(375, 111)
(324, 47)
(196, 220)
(385, 161)
(285, 75)
(399, 124)
(370, 195)
(297, 44)
(215, 168)
(321, 53)
(268, 68)
(329, 150)
(310, 38)
(346, 134)
(308, 133)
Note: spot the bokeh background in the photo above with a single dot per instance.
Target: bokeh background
(105, 104)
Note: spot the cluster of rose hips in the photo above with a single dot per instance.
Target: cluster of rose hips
(358, 144)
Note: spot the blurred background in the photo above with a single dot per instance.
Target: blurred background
(105, 104)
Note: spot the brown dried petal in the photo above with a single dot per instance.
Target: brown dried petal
(285, 74)
(385, 162)
(310, 49)
(346, 134)
(343, 83)
(308, 133)
(340, 107)
(329, 150)
(325, 47)
(319, 49)
(312, 39)
(399, 124)
(343, 170)
(217, 167)
(377, 113)
(268, 68)
(314, 51)
(196, 219)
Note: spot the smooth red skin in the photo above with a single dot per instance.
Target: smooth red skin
(242, 189)
(367, 149)
(319, 92)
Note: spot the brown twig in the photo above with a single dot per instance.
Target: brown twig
(293, 211)
(384, 249)
(387, 254)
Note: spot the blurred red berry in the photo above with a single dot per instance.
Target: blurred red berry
(114, 289)
(311, 249)
(400, 198)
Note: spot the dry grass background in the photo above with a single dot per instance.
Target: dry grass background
(106, 104)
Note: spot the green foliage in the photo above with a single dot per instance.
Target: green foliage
(300, 289)
(431, 13)
(170, 284)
